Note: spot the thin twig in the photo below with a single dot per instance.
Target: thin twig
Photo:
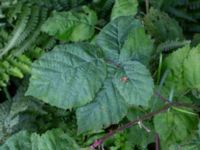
(134, 122)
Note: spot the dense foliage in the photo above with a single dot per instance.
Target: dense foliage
(100, 74)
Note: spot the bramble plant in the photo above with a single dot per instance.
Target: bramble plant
(99, 74)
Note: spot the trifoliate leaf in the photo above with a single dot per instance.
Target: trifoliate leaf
(134, 50)
(69, 76)
(134, 83)
(124, 8)
(112, 37)
(174, 126)
(51, 140)
(71, 25)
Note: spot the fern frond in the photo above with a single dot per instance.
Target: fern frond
(21, 25)
(31, 25)
(171, 45)
(32, 38)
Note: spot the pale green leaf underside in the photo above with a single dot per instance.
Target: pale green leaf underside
(124, 8)
(71, 26)
(69, 76)
(54, 139)
(112, 37)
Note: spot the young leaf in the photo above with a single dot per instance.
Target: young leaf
(71, 26)
(191, 69)
(173, 126)
(174, 63)
(69, 76)
(124, 8)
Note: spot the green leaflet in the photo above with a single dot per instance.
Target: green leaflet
(133, 49)
(109, 107)
(124, 8)
(174, 127)
(75, 72)
(54, 139)
(137, 90)
(78, 75)
(71, 25)
(112, 37)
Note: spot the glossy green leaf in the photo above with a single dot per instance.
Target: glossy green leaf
(124, 8)
(69, 76)
(71, 25)
(54, 139)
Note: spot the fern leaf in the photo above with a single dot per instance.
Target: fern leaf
(31, 25)
(32, 38)
(21, 25)
(171, 45)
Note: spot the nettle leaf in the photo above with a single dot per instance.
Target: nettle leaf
(138, 80)
(69, 76)
(124, 8)
(174, 126)
(71, 25)
(174, 63)
(76, 76)
(51, 140)
(112, 37)
(183, 69)
(191, 69)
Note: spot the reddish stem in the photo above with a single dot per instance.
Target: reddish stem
(142, 118)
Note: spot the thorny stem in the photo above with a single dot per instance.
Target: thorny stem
(157, 141)
(136, 121)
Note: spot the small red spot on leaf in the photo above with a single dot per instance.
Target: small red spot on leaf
(124, 79)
